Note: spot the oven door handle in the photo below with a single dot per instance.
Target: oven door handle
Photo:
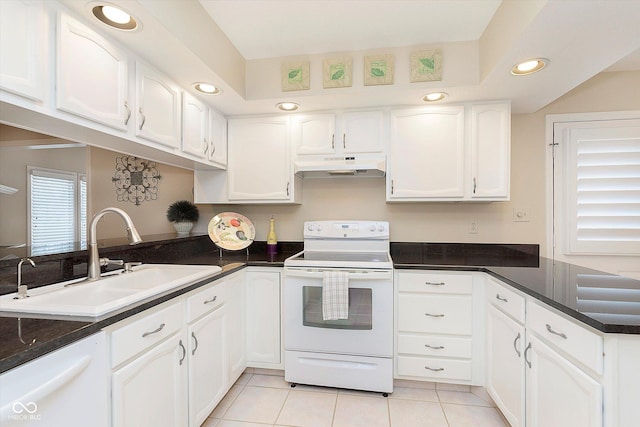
(316, 273)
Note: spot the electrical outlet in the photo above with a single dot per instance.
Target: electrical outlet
(520, 215)
(473, 227)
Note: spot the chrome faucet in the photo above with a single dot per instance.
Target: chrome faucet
(22, 289)
(95, 262)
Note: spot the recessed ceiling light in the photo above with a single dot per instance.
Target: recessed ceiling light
(529, 66)
(207, 88)
(114, 17)
(434, 96)
(287, 106)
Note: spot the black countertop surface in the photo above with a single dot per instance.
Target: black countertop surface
(606, 302)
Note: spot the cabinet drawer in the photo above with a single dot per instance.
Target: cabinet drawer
(434, 345)
(435, 283)
(206, 300)
(506, 300)
(143, 333)
(568, 337)
(440, 314)
(434, 368)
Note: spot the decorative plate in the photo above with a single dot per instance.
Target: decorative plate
(231, 231)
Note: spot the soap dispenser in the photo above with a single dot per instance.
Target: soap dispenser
(272, 241)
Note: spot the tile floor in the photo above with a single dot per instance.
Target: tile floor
(262, 398)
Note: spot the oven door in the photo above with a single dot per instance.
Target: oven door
(369, 328)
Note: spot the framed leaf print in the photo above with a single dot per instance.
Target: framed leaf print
(295, 76)
(426, 66)
(378, 70)
(337, 72)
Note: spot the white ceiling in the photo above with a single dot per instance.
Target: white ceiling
(276, 28)
(240, 45)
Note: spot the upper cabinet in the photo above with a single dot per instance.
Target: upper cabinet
(194, 131)
(91, 75)
(450, 153)
(23, 47)
(426, 154)
(347, 133)
(217, 139)
(260, 168)
(490, 142)
(158, 108)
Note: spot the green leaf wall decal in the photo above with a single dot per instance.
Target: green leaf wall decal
(294, 73)
(377, 72)
(337, 75)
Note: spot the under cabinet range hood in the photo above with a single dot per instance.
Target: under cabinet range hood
(328, 166)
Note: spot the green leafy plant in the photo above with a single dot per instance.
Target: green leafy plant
(183, 211)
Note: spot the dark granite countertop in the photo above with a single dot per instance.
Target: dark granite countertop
(606, 302)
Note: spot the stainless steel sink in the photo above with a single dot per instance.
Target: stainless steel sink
(96, 298)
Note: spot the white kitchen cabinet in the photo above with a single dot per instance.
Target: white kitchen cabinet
(151, 390)
(236, 328)
(195, 115)
(91, 75)
(260, 168)
(438, 326)
(217, 139)
(158, 107)
(490, 149)
(264, 334)
(352, 132)
(426, 154)
(558, 392)
(68, 387)
(23, 44)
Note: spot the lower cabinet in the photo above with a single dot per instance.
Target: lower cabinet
(263, 302)
(542, 369)
(174, 363)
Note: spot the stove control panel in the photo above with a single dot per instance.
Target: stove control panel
(346, 230)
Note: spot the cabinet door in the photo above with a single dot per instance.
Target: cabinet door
(490, 151)
(362, 132)
(194, 126)
(158, 107)
(152, 390)
(558, 393)
(91, 75)
(23, 47)
(260, 159)
(217, 138)
(505, 365)
(315, 134)
(263, 318)
(207, 370)
(426, 154)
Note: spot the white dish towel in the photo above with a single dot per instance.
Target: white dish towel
(335, 295)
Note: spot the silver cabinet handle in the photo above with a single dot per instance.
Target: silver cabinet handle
(392, 185)
(434, 283)
(126, 105)
(205, 145)
(155, 331)
(434, 347)
(525, 354)
(551, 331)
(209, 301)
(515, 345)
(143, 118)
(195, 341)
(344, 140)
(434, 369)
(434, 315)
(184, 352)
(498, 297)
(288, 184)
(213, 149)
(474, 186)
(333, 141)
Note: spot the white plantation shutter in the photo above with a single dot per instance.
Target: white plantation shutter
(52, 211)
(603, 189)
(82, 217)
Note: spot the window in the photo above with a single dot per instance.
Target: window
(597, 178)
(57, 210)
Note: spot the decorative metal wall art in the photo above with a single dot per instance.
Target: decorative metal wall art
(136, 180)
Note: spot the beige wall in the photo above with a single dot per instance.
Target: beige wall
(149, 217)
(364, 198)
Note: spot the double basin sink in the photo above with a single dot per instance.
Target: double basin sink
(110, 293)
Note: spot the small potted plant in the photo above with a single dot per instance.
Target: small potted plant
(183, 214)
